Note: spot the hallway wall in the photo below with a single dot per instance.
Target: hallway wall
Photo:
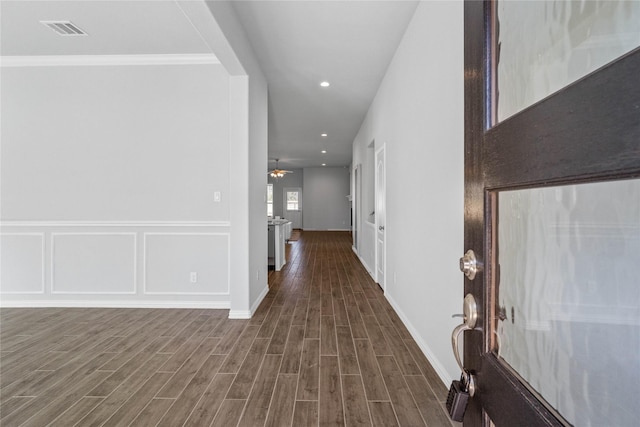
(418, 115)
(324, 199)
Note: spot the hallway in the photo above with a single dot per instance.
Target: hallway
(324, 348)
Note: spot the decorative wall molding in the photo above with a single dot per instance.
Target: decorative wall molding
(115, 304)
(128, 293)
(440, 370)
(144, 262)
(42, 261)
(60, 224)
(135, 262)
(110, 60)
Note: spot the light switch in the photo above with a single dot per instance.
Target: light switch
(216, 196)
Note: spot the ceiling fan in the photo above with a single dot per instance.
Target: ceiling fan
(278, 173)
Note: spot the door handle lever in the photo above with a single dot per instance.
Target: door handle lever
(454, 343)
(470, 317)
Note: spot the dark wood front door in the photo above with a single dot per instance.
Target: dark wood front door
(585, 134)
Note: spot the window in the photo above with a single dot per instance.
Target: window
(292, 201)
(269, 199)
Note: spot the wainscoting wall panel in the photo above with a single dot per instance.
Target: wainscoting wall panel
(186, 263)
(22, 265)
(115, 264)
(93, 263)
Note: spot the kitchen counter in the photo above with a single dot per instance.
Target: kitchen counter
(279, 231)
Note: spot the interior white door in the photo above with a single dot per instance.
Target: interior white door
(292, 208)
(380, 217)
(356, 205)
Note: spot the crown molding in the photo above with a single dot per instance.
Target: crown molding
(108, 60)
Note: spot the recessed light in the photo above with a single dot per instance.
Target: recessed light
(324, 164)
(324, 134)
(324, 151)
(325, 84)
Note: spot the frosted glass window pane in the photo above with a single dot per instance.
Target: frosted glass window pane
(570, 288)
(546, 45)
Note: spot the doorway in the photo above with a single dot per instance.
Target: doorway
(381, 210)
(292, 206)
(355, 200)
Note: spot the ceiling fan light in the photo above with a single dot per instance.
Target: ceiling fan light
(276, 173)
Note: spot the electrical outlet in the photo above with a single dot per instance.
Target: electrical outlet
(193, 277)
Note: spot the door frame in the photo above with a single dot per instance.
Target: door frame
(356, 202)
(601, 112)
(382, 281)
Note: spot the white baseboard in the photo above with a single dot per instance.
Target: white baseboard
(239, 314)
(437, 366)
(261, 297)
(366, 267)
(326, 229)
(247, 314)
(114, 304)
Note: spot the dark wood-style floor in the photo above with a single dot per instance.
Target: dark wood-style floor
(323, 349)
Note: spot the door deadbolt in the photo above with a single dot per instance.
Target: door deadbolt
(469, 264)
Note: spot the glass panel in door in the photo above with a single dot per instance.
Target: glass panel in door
(568, 297)
(544, 46)
(292, 201)
(293, 206)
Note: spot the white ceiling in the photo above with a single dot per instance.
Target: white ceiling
(114, 28)
(299, 43)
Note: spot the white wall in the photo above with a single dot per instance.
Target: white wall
(248, 150)
(325, 205)
(418, 115)
(108, 175)
(121, 143)
(160, 190)
(290, 180)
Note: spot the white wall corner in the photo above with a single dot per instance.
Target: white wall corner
(239, 187)
(435, 362)
(247, 314)
(258, 301)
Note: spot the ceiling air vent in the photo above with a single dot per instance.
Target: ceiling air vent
(64, 28)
